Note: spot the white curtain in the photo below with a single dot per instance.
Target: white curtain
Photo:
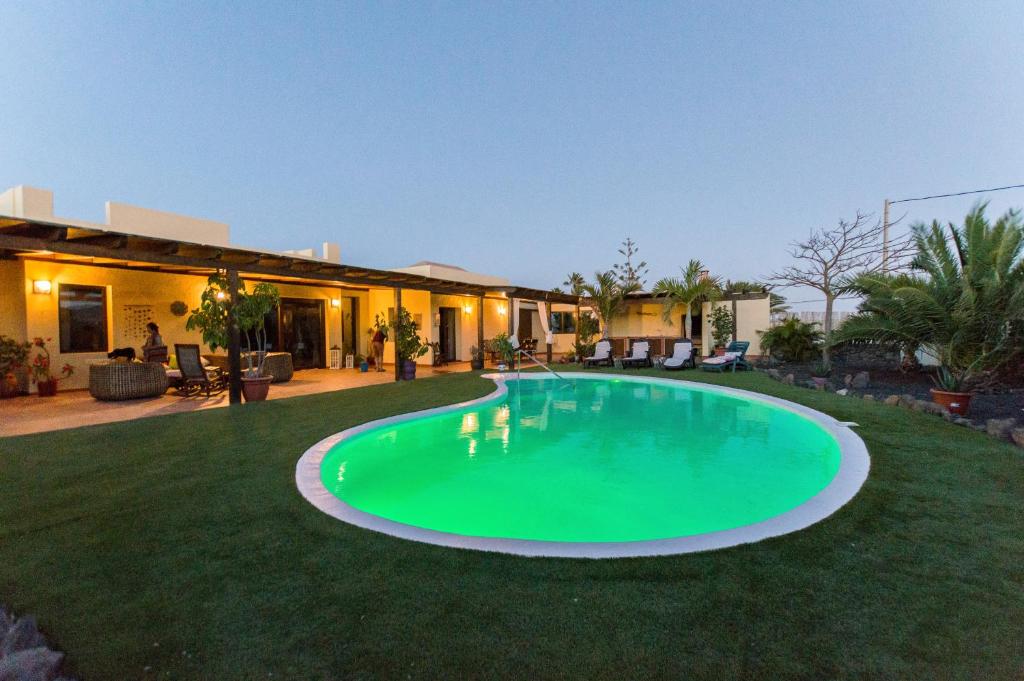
(515, 321)
(545, 323)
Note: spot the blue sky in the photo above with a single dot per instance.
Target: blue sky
(522, 139)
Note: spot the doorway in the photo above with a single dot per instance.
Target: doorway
(446, 332)
(297, 327)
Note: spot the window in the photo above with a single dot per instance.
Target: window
(83, 318)
(563, 322)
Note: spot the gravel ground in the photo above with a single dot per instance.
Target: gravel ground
(1001, 404)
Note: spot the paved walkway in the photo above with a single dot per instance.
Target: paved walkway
(34, 414)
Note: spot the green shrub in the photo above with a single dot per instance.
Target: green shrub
(792, 340)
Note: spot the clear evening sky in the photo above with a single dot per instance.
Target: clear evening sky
(521, 139)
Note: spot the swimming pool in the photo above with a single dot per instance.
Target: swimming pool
(597, 465)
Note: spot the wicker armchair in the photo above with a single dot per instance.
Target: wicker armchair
(127, 380)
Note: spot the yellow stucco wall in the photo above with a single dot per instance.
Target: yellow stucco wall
(751, 316)
(12, 299)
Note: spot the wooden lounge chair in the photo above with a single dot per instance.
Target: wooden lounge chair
(639, 357)
(682, 356)
(602, 355)
(734, 358)
(195, 378)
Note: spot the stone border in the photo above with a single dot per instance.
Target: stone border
(853, 471)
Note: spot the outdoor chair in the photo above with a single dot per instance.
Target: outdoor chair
(155, 353)
(440, 359)
(602, 355)
(640, 355)
(682, 356)
(734, 358)
(195, 378)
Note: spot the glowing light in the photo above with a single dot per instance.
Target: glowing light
(502, 310)
(468, 309)
(220, 295)
(335, 302)
(41, 286)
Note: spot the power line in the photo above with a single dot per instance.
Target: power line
(974, 191)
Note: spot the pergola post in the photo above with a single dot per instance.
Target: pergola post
(578, 353)
(398, 322)
(234, 344)
(480, 326)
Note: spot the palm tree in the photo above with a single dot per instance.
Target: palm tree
(607, 295)
(574, 283)
(967, 308)
(695, 285)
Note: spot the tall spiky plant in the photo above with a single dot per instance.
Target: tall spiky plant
(695, 285)
(608, 295)
(965, 302)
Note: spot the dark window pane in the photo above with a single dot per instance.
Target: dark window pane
(83, 318)
(563, 322)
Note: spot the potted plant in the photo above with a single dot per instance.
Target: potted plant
(408, 345)
(364, 366)
(476, 362)
(949, 390)
(722, 327)
(820, 373)
(46, 382)
(13, 363)
(213, 318)
(503, 346)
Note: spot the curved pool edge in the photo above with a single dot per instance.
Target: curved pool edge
(854, 465)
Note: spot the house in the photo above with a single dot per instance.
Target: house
(642, 316)
(93, 287)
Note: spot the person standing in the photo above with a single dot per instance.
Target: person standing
(377, 343)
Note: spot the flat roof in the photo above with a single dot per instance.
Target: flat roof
(33, 239)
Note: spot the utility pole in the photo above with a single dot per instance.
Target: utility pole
(885, 237)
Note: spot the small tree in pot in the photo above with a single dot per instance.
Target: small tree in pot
(215, 314)
(722, 327)
(13, 361)
(408, 345)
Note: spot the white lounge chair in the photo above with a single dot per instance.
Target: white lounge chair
(682, 356)
(640, 357)
(602, 355)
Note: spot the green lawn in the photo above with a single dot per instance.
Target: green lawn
(180, 544)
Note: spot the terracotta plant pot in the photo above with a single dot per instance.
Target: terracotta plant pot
(476, 364)
(955, 403)
(719, 352)
(256, 389)
(47, 388)
(408, 369)
(819, 381)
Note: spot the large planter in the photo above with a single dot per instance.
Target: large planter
(47, 388)
(476, 364)
(955, 403)
(408, 369)
(819, 381)
(256, 389)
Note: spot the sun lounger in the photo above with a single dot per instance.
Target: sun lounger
(602, 355)
(682, 356)
(640, 355)
(734, 358)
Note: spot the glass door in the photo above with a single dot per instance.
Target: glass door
(301, 332)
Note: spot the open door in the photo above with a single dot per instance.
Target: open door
(446, 333)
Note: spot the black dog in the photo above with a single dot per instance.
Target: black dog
(128, 353)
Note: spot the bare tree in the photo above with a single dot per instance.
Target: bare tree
(829, 259)
(628, 274)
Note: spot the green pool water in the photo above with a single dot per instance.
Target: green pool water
(607, 460)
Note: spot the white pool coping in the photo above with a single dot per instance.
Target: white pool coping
(854, 465)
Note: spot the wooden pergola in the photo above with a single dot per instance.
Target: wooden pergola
(93, 246)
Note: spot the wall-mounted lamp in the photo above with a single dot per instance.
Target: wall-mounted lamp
(335, 302)
(467, 309)
(42, 286)
(437, 319)
(502, 310)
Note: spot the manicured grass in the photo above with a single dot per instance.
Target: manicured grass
(180, 544)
